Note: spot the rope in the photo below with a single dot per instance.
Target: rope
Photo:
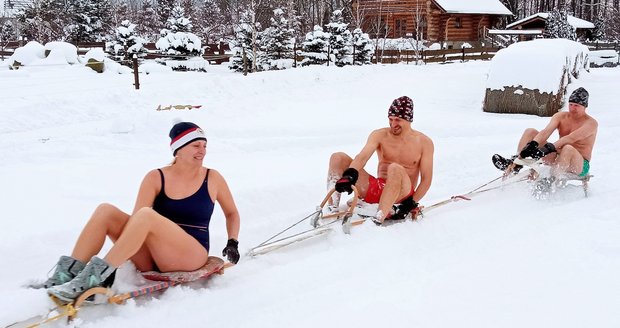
(287, 229)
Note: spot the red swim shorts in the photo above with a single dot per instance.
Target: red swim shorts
(375, 188)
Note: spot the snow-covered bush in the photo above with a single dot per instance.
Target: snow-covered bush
(363, 48)
(67, 49)
(557, 26)
(339, 39)
(241, 45)
(314, 47)
(180, 44)
(277, 43)
(126, 43)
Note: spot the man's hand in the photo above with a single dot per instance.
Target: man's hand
(530, 150)
(349, 178)
(231, 251)
(547, 149)
(405, 207)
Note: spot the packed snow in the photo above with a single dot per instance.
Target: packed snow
(72, 138)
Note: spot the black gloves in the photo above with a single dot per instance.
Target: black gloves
(404, 208)
(529, 150)
(231, 251)
(532, 150)
(349, 178)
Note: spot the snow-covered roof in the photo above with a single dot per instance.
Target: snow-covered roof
(493, 7)
(572, 20)
(516, 32)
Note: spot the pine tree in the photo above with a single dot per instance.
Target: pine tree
(7, 32)
(315, 47)
(364, 48)
(84, 24)
(242, 44)
(339, 39)
(557, 26)
(178, 21)
(277, 42)
(163, 10)
(126, 43)
(44, 20)
(211, 22)
(598, 34)
(148, 21)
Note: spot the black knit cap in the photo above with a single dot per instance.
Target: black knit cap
(184, 133)
(579, 96)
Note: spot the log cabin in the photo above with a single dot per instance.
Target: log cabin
(430, 20)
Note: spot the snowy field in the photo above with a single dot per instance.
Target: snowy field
(71, 139)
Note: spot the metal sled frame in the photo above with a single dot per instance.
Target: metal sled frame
(535, 165)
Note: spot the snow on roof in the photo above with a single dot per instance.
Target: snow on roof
(516, 32)
(572, 20)
(536, 64)
(493, 7)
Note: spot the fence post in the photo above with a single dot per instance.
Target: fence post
(134, 60)
(245, 61)
(295, 54)
(463, 54)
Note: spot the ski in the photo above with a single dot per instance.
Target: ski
(101, 295)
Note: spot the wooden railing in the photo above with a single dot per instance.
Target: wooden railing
(599, 45)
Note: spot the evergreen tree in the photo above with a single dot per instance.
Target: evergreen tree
(557, 26)
(126, 43)
(84, 23)
(339, 39)
(44, 20)
(148, 21)
(178, 22)
(211, 22)
(277, 42)
(315, 47)
(242, 44)
(7, 32)
(163, 10)
(598, 34)
(363, 46)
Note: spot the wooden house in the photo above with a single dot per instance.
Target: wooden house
(538, 22)
(432, 20)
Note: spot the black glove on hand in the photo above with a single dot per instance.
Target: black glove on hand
(349, 178)
(547, 149)
(231, 251)
(406, 206)
(530, 150)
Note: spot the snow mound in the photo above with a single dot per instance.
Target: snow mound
(67, 49)
(33, 51)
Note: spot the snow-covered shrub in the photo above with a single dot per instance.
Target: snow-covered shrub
(277, 43)
(314, 47)
(126, 43)
(363, 48)
(339, 39)
(242, 44)
(69, 50)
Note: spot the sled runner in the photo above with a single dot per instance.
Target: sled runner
(101, 295)
(544, 184)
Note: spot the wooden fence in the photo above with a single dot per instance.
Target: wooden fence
(214, 53)
(597, 45)
(434, 56)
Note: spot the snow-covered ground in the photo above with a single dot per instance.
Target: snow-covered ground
(72, 138)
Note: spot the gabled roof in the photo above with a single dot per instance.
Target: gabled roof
(572, 20)
(491, 7)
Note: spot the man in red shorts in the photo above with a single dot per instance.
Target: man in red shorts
(405, 158)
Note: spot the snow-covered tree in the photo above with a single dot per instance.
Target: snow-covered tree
(315, 47)
(44, 20)
(85, 21)
(242, 44)
(178, 21)
(211, 22)
(163, 10)
(600, 27)
(147, 20)
(557, 26)
(339, 39)
(126, 43)
(277, 43)
(7, 32)
(363, 48)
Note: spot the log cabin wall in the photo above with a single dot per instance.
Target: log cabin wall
(398, 19)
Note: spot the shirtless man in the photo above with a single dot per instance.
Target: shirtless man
(405, 156)
(569, 154)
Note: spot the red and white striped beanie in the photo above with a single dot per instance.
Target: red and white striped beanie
(184, 133)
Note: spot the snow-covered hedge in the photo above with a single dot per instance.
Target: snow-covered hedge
(531, 77)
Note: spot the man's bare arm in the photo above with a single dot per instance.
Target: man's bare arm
(545, 133)
(371, 146)
(426, 171)
(585, 131)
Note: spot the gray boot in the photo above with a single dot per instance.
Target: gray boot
(96, 273)
(66, 269)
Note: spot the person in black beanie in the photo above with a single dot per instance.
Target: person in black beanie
(405, 169)
(168, 229)
(572, 152)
